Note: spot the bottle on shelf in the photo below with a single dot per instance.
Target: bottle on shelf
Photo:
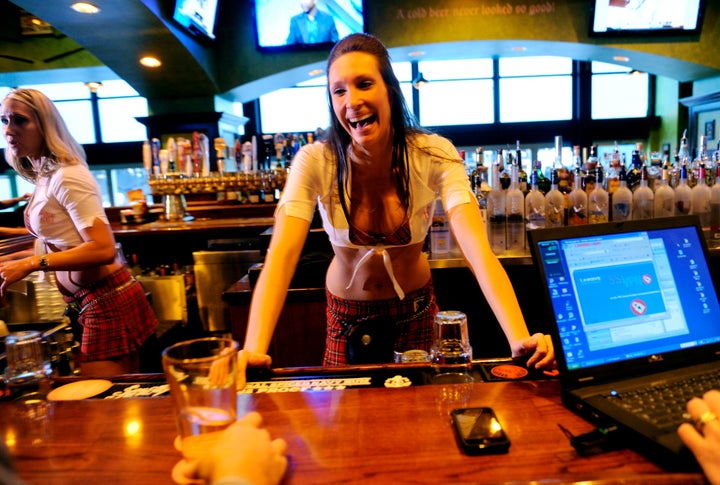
(643, 198)
(479, 181)
(633, 175)
(554, 204)
(589, 170)
(578, 172)
(515, 214)
(700, 199)
(505, 159)
(577, 201)
(683, 193)
(562, 171)
(534, 205)
(714, 234)
(543, 182)
(704, 160)
(496, 218)
(622, 199)
(267, 191)
(683, 159)
(522, 175)
(613, 173)
(598, 200)
(664, 194)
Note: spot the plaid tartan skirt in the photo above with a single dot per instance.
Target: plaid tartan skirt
(115, 316)
(413, 318)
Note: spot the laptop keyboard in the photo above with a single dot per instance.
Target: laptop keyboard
(665, 405)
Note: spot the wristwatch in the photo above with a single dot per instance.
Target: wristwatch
(44, 263)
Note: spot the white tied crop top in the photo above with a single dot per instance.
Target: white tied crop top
(312, 182)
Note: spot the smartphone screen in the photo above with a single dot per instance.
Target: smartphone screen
(479, 430)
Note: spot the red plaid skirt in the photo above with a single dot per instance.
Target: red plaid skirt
(413, 316)
(116, 317)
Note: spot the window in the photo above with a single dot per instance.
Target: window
(119, 105)
(117, 102)
(618, 92)
(459, 92)
(535, 89)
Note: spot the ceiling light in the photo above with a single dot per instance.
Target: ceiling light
(416, 54)
(150, 61)
(420, 81)
(85, 7)
(519, 48)
(315, 72)
(621, 59)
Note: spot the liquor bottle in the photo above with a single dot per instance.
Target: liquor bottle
(622, 199)
(598, 200)
(476, 174)
(664, 194)
(591, 165)
(577, 201)
(515, 212)
(613, 172)
(554, 204)
(267, 191)
(714, 235)
(496, 212)
(534, 205)
(685, 160)
(543, 182)
(505, 159)
(683, 193)
(643, 198)
(522, 175)
(562, 171)
(578, 173)
(700, 199)
(703, 159)
(480, 183)
(172, 151)
(633, 175)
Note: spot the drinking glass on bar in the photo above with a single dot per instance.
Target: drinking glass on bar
(202, 375)
(451, 353)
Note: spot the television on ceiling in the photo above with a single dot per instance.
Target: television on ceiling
(197, 16)
(305, 24)
(645, 18)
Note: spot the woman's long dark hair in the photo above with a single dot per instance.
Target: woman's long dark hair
(403, 122)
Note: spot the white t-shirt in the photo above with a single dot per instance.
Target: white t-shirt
(63, 204)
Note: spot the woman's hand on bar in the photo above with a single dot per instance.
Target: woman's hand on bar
(703, 438)
(540, 349)
(253, 359)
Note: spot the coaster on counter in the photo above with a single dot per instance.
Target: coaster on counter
(503, 372)
(79, 390)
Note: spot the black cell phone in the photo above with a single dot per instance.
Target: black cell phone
(479, 432)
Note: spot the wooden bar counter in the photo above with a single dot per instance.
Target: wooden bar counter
(354, 433)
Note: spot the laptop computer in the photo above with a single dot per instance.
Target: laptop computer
(633, 304)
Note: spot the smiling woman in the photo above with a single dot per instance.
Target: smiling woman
(376, 177)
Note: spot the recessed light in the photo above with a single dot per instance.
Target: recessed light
(150, 61)
(416, 53)
(315, 72)
(621, 58)
(85, 7)
(519, 48)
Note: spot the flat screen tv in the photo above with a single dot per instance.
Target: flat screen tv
(645, 18)
(284, 24)
(197, 16)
